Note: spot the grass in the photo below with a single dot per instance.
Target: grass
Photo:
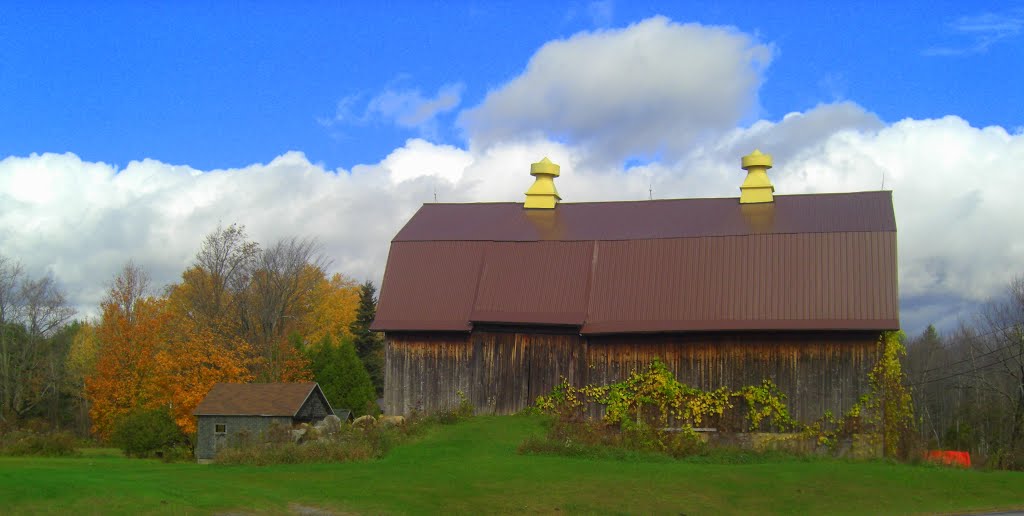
(473, 467)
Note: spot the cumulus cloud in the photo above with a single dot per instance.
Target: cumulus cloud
(655, 86)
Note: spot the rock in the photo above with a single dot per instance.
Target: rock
(366, 420)
(392, 420)
(329, 425)
(298, 434)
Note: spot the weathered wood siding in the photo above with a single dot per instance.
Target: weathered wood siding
(816, 371)
(504, 372)
(499, 372)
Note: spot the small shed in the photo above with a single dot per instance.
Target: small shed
(233, 410)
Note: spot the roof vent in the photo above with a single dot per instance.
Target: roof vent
(542, 194)
(757, 187)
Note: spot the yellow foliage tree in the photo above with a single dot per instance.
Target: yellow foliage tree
(331, 308)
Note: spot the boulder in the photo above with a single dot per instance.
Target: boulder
(366, 420)
(329, 425)
(392, 420)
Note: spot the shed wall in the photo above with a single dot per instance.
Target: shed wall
(251, 427)
(314, 409)
(502, 372)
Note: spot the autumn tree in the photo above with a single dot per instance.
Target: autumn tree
(332, 308)
(194, 358)
(152, 354)
(130, 335)
(369, 345)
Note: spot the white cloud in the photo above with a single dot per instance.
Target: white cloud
(404, 107)
(653, 86)
(410, 109)
(981, 31)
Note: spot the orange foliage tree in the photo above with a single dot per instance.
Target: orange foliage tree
(152, 354)
(130, 335)
(193, 361)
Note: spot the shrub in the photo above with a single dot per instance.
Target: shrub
(149, 433)
(348, 444)
(462, 411)
(28, 442)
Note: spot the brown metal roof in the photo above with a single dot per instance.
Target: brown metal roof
(637, 220)
(549, 285)
(808, 262)
(430, 287)
(256, 399)
(813, 281)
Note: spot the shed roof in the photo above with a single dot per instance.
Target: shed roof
(257, 399)
(804, 262)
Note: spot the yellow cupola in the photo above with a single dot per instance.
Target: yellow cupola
(543, 195)
(756, 188)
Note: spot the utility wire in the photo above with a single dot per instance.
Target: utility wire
(968, 359)
(954, 375)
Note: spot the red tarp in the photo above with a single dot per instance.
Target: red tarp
(949, 458)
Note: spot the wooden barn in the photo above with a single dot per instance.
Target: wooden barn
(233, 411)
(502, 300)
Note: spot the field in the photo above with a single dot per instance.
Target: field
(473, 467)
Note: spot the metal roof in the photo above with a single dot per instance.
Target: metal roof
(257, 399)
(638, 220)
(805, 262)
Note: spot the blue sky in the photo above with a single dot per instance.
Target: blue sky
(131, 129)
(234, 83)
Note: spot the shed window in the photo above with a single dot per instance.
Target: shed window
(220, 428)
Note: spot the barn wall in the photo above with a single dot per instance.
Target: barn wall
(504, 371)
(817, 371)
(499, 372)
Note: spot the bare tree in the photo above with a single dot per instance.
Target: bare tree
(129, 287)
(285, 274)
(227, 258)
(31, 313)
(925, 360)
(999, 369)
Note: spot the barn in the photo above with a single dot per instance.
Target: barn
(234, 411)
(500, 301)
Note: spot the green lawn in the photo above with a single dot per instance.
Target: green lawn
(473, 467)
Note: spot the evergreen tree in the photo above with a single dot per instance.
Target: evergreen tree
(342, 376)
(369, 345)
